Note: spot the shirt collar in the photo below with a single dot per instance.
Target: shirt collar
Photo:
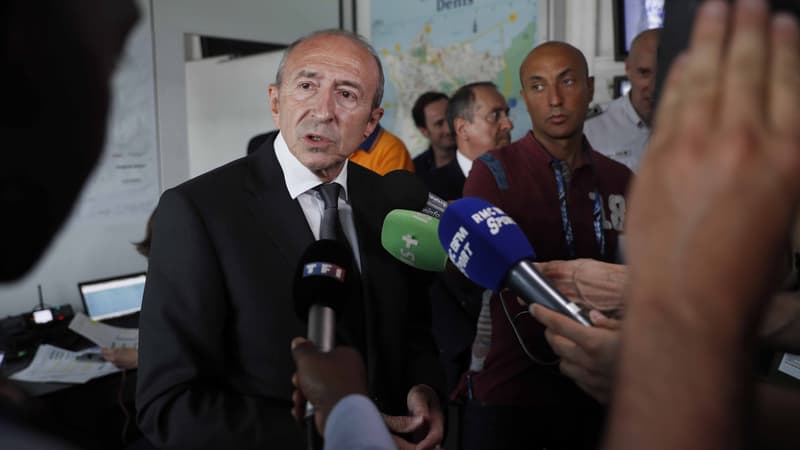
(545, 157)
(299, 178)
(464, 163)
(630, 112)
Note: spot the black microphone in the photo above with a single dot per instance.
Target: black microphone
(404, 190)
(321, 287)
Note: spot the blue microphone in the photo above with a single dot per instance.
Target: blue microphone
(490, 249)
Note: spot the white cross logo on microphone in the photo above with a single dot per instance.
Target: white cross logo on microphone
(410, 241)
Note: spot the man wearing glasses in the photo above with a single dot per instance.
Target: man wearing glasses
(478, 118)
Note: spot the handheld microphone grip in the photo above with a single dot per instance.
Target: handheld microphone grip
(487, 246)
(321, 287)
(322, 327)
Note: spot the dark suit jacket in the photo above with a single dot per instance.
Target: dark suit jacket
(217, 319)
(455, 301)
(447, 181)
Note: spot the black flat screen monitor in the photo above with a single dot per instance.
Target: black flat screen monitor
(631, 17)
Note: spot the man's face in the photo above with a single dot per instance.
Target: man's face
(490, 127)
(640, 67)
(557, 92)
(436, 129)
(324, 104)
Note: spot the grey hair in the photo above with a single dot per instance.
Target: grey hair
(462, 101)
(357, 38)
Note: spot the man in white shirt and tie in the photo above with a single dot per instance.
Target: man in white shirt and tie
(218, 315)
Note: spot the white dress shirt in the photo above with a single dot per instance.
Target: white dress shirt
(301, 181)
(619, 133)
(464, 163)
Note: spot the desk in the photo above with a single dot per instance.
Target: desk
(89, 414)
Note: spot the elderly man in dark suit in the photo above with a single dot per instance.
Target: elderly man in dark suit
(215, 366)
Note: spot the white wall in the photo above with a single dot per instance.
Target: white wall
(227, 103)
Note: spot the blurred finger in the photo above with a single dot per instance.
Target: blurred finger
(573, 371)
(600, 320)
(301, 348)
(297, 341)
(665, 118)
(784, 85)
(563, 347)
(560, 324)
(403, 424)
(745, 66)
(700, 85)
(435, 435)
(418, 404)
(298, 409)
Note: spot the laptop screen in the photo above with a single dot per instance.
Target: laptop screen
(113, 297)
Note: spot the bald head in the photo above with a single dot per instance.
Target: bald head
(550, 48)
(640, 68)
(646, 41)
(557, 91)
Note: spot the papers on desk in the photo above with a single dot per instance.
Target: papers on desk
(56, 365)
(104, 335)
(790, 365)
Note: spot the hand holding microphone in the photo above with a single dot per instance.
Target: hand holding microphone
(324, 378)
(489, 248)
(322, 285)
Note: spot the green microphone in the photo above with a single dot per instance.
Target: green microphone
(413, 238)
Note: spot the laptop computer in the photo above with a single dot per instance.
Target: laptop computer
(116, 300)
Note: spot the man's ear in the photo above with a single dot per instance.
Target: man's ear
(273, 103)
(374, 117)
(628, 67)
(460, 125)
(590, 83)
(424, 132)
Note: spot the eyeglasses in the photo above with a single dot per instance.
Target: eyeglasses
(496, 116)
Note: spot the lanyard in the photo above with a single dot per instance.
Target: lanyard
(559, 169)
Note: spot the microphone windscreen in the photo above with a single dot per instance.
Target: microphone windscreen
(323, 277)
(413, 238)
(482, 241)
(404, 190)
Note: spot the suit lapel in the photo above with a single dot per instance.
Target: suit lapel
(366, 216)
(279, 215)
